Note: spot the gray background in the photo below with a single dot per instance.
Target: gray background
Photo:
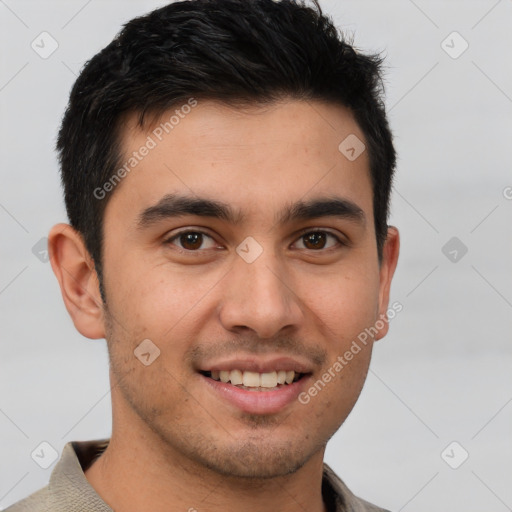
(443, 373)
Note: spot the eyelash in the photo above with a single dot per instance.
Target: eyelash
(176, 236)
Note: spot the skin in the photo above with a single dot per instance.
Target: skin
(177, 445)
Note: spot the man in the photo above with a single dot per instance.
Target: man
(227, 166)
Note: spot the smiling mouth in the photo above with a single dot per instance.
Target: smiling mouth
(254, 381)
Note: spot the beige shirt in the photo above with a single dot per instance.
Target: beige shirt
(70, 491)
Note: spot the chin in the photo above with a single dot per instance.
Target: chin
(254, 459)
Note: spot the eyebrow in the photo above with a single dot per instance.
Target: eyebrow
(175, 205)
(323, 207)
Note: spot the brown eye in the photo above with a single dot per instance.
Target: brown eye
(192, 240)
(318, 240)
(315, 240)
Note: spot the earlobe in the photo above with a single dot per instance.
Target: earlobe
(74, 269)
(390, 253)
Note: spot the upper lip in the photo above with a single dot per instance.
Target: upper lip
(259, 364)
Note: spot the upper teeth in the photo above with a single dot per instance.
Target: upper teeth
(254, 379)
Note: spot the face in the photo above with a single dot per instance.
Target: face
(243, 247)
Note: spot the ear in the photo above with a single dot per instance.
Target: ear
(74, 269)
(387, 269)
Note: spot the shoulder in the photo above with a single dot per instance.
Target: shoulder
(35, 502)
(342, 497)
(68, 489)
(365, 506)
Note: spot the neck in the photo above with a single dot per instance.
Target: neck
(137, 472)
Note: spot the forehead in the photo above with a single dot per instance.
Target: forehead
(255, 157)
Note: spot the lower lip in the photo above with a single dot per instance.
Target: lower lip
(258, 402)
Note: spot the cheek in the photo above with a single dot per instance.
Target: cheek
(345, 305)
(154, 300)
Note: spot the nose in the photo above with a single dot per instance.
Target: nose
(260, 297)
